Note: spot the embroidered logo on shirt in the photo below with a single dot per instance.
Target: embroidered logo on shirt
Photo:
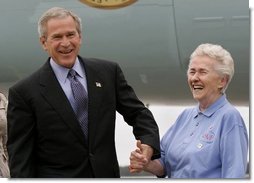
(208, 136)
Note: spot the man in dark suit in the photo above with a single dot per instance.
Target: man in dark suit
(45, 138)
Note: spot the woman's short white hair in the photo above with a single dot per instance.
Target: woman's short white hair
(56, 12)
(225, 65)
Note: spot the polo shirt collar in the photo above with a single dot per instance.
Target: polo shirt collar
(212, 108)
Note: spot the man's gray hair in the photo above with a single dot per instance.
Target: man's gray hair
(56, 12)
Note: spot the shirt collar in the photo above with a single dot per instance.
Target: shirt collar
(78, 68)
(212, 108)
(62, 72)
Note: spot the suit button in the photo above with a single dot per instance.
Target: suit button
(91, 155)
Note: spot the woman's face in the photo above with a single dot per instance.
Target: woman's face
(204, 81)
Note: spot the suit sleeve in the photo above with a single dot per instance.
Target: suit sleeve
(21, 138)
(136, 114)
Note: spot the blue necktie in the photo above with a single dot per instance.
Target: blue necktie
(81, 101)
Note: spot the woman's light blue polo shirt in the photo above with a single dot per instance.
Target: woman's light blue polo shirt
(209, 144)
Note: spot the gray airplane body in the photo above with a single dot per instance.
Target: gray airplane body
(150, 39)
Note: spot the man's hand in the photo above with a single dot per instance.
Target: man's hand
(140, 158)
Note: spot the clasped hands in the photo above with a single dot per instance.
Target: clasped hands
(140, 158)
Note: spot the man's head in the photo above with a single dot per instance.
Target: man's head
(60, 35)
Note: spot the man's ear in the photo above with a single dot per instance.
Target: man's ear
(43, 42)
(80, 38)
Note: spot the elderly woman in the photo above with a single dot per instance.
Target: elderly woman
(209, 140)
(4, 170)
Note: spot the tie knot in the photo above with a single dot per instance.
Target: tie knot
(72, 73)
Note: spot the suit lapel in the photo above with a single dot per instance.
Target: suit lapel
(95, 88)
(53, 93)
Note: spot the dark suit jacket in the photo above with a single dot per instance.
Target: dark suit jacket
(44, 136)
